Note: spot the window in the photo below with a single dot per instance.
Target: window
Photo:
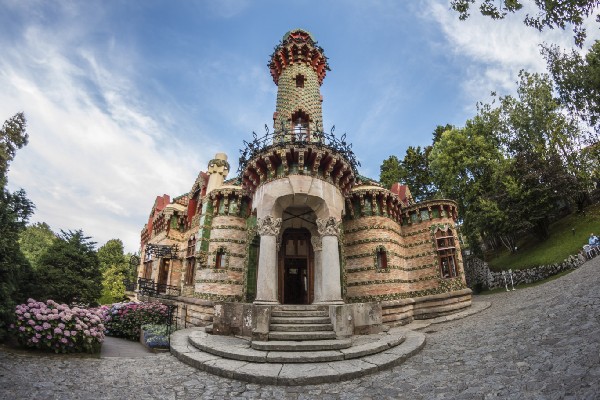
(148, 265)
(300, 125)
(381, 259)
(191, 260)
(220, 258)
(446, 253)
(300, 80)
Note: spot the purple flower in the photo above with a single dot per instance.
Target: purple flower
(64, 340)
(31, 322)
(58, 331)
(38, 328)
(46, 325)
(67, 333)
(34, 340)
(48, 336)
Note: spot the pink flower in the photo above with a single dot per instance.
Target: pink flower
(48, 336)
(37, 335)
(21, 328)
(38, 328)
(34, 340)
(67, 333)
(86, 332)
(58, 331)
(46, 325)
(61, 325)
(27, 315)
(31, 322)
(64, 340)
(73, 333)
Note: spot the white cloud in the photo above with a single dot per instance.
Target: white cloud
(96, 157)
(495, 51)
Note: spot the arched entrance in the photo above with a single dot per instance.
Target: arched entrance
(296, 267)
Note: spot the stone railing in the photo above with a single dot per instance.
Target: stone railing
(479, 275)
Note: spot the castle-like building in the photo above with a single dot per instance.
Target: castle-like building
(299, 225)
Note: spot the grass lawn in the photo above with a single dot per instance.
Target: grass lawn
(563, 242)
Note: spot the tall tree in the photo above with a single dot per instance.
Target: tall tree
(34, 240)
(390, 171)
(115, 268)
(16, 275)
(577, 79)
(70, 270)
(551, 13)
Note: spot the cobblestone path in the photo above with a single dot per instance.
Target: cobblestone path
(535, 343)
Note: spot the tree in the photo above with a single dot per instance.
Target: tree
(115, 268)
(577, 79)
(16, 275)
(70, 270)
(13, 136)
(551, 13)
(413, 170)
(390, 171)
(34, 240)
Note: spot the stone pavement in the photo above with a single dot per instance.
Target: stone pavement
(541, 342)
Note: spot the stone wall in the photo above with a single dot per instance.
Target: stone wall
(222, 284)
(479, 274)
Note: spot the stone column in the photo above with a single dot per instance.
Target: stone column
(318, 271)
(331, 288)
(266, 285)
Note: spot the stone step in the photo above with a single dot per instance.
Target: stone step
(298, 307)
(300, 320)
(304, 346)
(300, 327)
(318, 335)
(301, 313)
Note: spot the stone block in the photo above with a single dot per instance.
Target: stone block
(261, 320)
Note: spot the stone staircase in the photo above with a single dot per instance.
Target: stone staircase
(301, 328)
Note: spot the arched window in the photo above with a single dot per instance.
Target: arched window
(220, 258)
(444, 240)
(300, 80)
(300, 125)
(381, 259)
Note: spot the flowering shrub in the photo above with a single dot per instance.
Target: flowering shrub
(125, 319)
(57, 327)
(156, 336)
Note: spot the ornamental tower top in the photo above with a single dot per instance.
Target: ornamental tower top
(298, 66)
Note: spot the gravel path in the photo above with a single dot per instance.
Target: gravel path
(537, 343)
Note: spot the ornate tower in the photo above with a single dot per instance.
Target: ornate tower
(298, 67)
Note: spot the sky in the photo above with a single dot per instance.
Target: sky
(128, 100)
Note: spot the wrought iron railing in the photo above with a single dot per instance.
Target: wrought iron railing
(148, 287)
(284, 137)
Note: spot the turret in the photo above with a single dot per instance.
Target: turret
(298, 67)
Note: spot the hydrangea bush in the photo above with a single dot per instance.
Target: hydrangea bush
(57, 327)
(156, 336)
(125, 319)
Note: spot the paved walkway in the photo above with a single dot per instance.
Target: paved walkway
(541, 342)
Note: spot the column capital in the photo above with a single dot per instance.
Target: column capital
(328, 226)
(268, 226)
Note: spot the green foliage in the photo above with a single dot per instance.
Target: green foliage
(34, 240)
(390, 172)
(70, 270)
(125, 319)
(413, 170)
(577, 79)
(512, 167)
(156, 336)
(16, 275)
(13, 136)
(115, 268)
(551, 13)
(567, 237)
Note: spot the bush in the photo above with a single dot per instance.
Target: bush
(125, 319)
(53, 326)
(156, 336)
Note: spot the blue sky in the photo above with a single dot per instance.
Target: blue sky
(129, 100)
